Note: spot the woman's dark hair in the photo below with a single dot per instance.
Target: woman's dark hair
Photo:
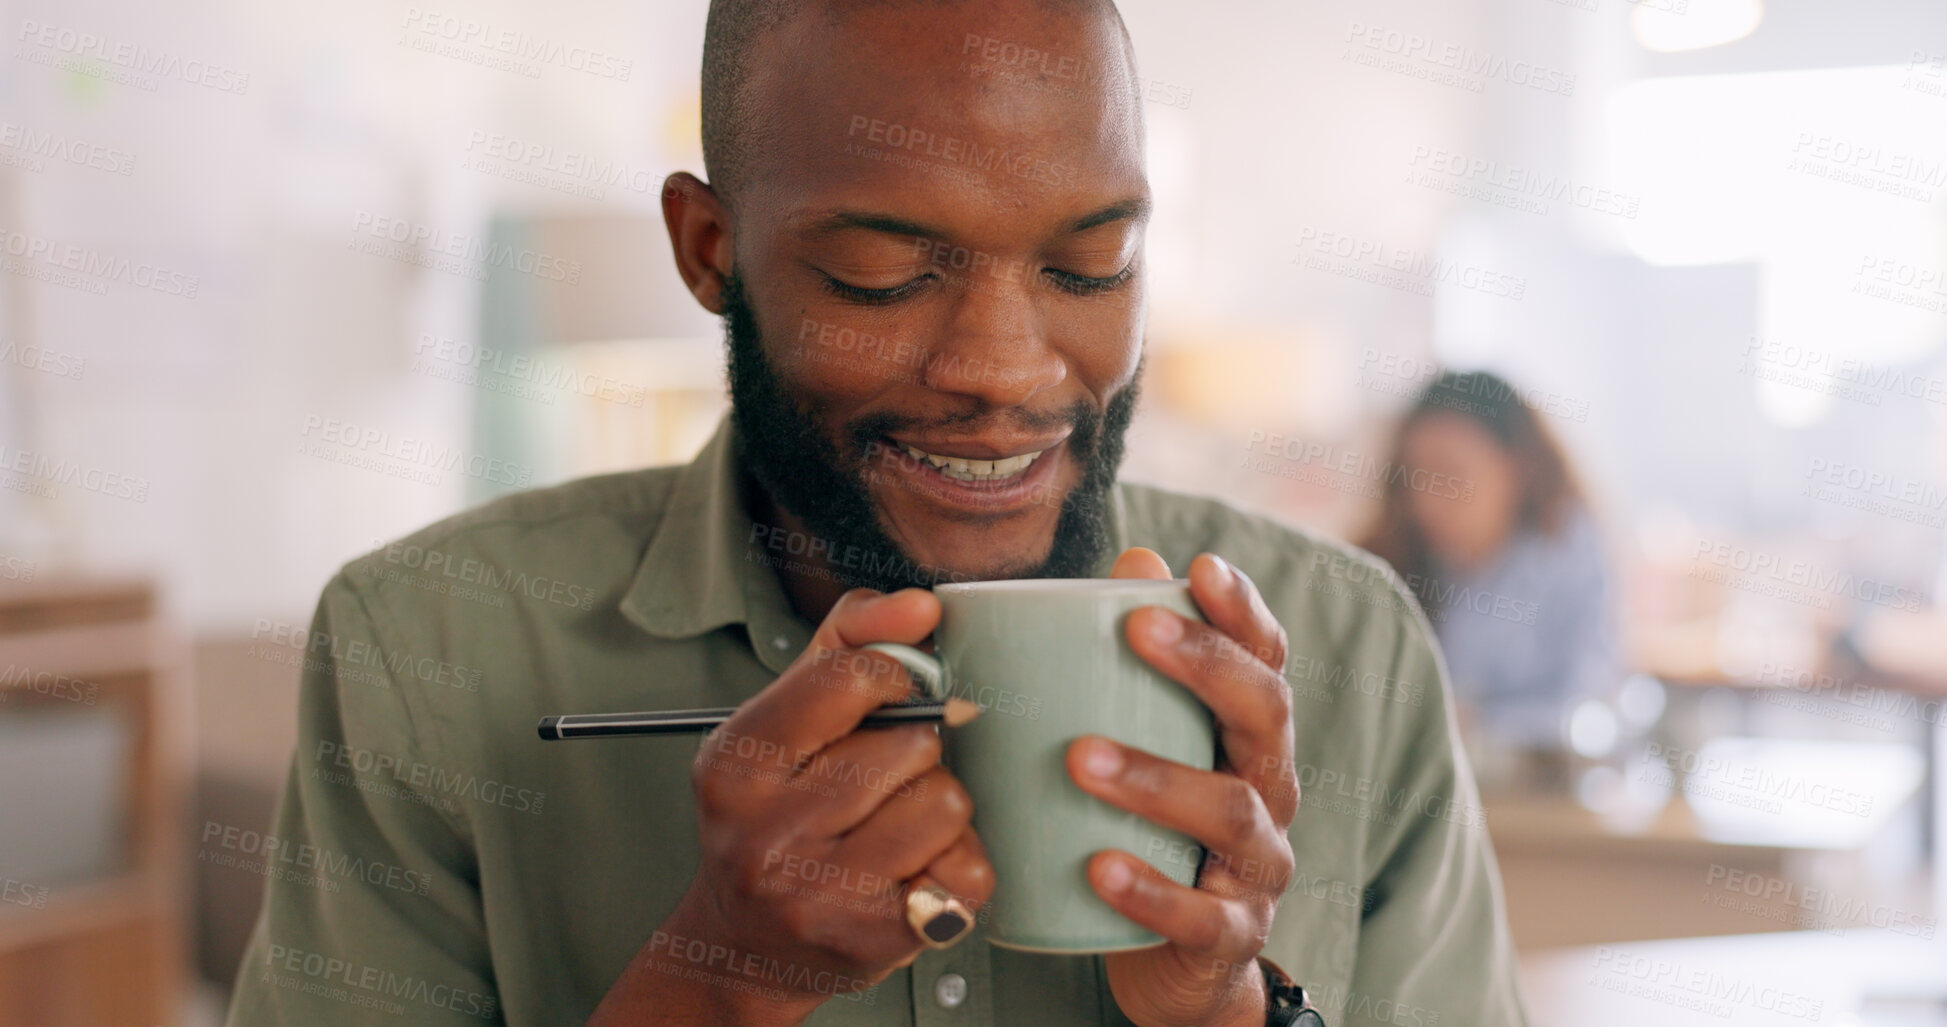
(1548, 488)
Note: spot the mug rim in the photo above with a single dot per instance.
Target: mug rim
(1079, 585)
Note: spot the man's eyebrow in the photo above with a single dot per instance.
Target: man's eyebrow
(839, 220)
(1134, 208)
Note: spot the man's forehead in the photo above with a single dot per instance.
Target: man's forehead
(897, 100)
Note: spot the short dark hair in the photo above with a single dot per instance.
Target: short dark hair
(731, 35)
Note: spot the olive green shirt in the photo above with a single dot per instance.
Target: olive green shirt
(434, 862)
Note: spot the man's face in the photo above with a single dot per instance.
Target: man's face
(937, 259)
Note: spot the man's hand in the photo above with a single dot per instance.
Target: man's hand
(808, 829)
(1207, 974)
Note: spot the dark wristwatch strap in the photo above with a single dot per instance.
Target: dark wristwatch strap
(1285, 1001)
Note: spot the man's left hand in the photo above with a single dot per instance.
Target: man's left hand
(1207, 973)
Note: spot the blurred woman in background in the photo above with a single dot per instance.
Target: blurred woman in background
(1484, 520)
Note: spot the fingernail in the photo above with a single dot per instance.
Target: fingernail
(1224, 566)
(1231, 573)
(1116, 876)
(1165, 628)
(1103, 760)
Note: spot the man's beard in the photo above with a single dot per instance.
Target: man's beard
(785, 451)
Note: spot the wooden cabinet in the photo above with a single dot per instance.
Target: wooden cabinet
(106, 946)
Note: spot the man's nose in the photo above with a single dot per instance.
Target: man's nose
(996, 346)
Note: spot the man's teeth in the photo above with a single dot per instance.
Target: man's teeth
(976, 470)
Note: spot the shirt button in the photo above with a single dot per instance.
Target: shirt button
(780, 642)
(950, 990)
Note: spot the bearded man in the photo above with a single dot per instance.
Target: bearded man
(923, 228)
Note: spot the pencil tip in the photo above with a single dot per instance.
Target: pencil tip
(959, 711)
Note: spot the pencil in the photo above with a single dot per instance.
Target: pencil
(952, 713)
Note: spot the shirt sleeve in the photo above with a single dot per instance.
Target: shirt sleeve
(372, 911)
(1434, 947)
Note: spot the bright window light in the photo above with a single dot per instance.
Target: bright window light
(1667, 26)
(1831, 180)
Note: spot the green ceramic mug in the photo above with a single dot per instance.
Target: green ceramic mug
(1047, 660)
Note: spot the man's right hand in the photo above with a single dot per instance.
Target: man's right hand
(808, 830)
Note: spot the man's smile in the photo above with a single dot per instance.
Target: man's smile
(971, 477)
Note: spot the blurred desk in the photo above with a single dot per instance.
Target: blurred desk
(1573, 877)
(1864, 978)
(1715, 650)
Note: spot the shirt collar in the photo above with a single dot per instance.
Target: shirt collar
(705, 567)
(691, 579)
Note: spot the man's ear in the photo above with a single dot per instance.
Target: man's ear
(699, 233)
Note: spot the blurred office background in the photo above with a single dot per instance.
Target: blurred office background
(1705, 241)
